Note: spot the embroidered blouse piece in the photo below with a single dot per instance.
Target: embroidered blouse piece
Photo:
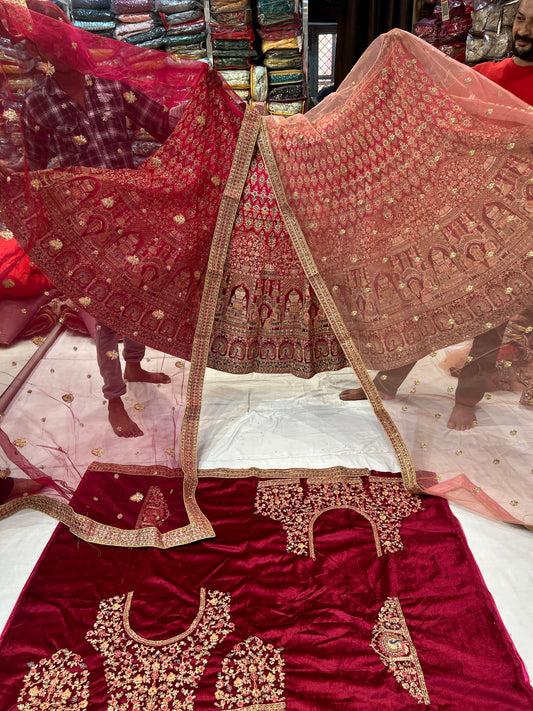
(383, 503)
(252, 678)
(157, 675)
(392, 642)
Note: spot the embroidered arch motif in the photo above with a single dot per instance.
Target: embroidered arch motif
(393, 644)
(297, 506)
(335, 508)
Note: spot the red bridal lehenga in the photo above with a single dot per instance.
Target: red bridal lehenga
(382, 228)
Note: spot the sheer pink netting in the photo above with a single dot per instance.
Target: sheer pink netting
(390, 223)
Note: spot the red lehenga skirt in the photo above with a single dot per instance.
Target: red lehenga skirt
(391, 220)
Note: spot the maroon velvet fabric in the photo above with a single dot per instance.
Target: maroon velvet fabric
(320, 613)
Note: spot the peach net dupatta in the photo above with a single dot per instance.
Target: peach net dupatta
(412, 189)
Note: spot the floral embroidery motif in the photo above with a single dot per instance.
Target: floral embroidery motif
(154, 509)
(60, 682)
(392, 643)
(382, 502)
(157, 675)
(252, 678)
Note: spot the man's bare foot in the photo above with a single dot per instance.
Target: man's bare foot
(359, 394)
(133, 373)
(121, 422)
(462, 417)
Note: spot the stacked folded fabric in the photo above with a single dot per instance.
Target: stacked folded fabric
(185, 29)
(280, 29)
(491, 35)
(20, 71)
(448, 32)
(232, 39)
(137, 23)
(93, 16)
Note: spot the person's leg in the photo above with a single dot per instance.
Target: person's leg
(114, 386)
(133, 373)
(474, 377)
(387, 383)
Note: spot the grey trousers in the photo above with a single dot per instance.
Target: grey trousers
(109, 361)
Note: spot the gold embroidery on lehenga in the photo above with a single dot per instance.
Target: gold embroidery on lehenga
(393, 644)
(60, 682)
(157, 675)
(383, 503)
(252, 678)
(154, 509)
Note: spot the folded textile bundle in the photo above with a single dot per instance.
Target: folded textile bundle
(258, 83)
(236, 45)
(88, 14)
(228, 5)
(175, 41)
(179, 18)
(135, 17)
(285, 77)
(287, 92)
(286, 43)
(94, 26)
(92, 4)
(123, 7)
(123, 31)
(283, 59)
(237, 18)
(231, 32)
(153, 34)
(237, 78)
(231, 62)
(187, 31)
(171, 6)
(285, 108)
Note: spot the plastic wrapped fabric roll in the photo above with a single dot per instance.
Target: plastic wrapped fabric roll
(171, 6)
(170, 41)
(123, 31)
(285, 108)
(89, 15)
(285, 43)
(286, 92)
(231, 62)
(178, 18)
(237, 18)
(121, 7)
(237, 78)
(155, 33)
(186, 30)
(258, 83)
(91, 26)
(237, 45)
(135, 17)
(285, 77)
(92, 4)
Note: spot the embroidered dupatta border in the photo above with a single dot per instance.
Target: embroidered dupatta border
(332, 313)
(199, 526)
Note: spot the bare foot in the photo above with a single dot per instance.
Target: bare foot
(359, 394)
(121, 422)
(133, 373)
(462, 417)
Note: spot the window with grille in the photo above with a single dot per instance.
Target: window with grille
(321, 57)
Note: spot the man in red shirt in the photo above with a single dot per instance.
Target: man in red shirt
(516, 75)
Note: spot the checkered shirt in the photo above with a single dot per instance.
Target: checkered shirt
(58, 132)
